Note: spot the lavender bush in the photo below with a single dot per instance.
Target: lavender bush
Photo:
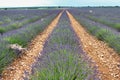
(62, 56)
(25, 17)
(113, 25)
(106, 16)
(22, 37)
(112, 37)
(17, 24)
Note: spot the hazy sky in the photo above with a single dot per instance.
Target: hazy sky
(24, 3)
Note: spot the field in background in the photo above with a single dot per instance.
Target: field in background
(104, 23)
(20, 27)
(62, 55)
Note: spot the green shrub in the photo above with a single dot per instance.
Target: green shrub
(1, 22)
(103, 34)
(62, 65)
(35, 18)
(6, 55)
(110, 24)
(15, 25)
(117, 26)
(7, 20)
(19, 17)
(22, 37)
(2, 30)
(15, 39)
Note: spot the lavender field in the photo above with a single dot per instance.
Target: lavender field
(62, 57)
(23, 26)
(60, 44)
(104, 23)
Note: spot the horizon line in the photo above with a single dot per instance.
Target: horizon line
(53, 6)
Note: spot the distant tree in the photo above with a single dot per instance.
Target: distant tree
(116, 6)
(5, 8)
(88, 6)
(59, 7)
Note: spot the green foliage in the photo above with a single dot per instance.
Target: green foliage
(113, 41)
(62, 65)
(15, 25)
(19, 17)
(101, 34)
(35, 18)
(63, 62)
(110, 24)
(7, 19)
(15, 39)
(22, 37)
(63, 37)
(10, 27)
(6, 59)
(104, 35)
(2, 30)
(117, 26)
(6, 55)
(1, 22)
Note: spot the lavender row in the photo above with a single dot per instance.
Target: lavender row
(17, 24)
(21, 37)
(106, 16)
(62, 56)
(108, 35)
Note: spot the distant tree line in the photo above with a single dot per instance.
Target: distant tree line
(47, 7)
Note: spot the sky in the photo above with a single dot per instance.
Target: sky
(37, 3)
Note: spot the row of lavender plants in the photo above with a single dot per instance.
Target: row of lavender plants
(110, 24)
(107, 16)
(62, 56)
(17, 24)
(102, 33)
(8, 17)
(22, 37)
(5, 20)
(13, 15)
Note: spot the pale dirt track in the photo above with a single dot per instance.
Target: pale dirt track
(106, 59)
(16, 70)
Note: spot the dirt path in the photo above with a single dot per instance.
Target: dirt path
(16, 71)
(105, 58)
